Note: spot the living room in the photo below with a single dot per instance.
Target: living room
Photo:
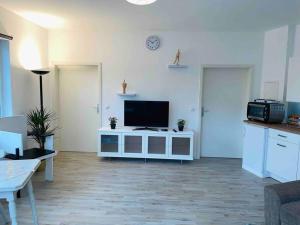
(180, 72)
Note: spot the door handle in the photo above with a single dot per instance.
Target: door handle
(283, 146)
(279, 135)
(98, 108)
(203, 111)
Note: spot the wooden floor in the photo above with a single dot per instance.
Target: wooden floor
(90, 191)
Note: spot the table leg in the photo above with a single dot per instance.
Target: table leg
(6, 220)
(32, 203)
(12, 209)
(19, 194)
(49, 169)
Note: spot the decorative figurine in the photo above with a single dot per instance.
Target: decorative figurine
(177, 59)
(124, 86)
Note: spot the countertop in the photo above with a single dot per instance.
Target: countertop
(282, 126)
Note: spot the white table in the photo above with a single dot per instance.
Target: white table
(14, 176)
(49, 165)
(35, 153)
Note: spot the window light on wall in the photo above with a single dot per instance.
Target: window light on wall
(29, 54)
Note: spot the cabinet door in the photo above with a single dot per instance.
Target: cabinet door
(293, 84)
(109, 145)
(284, 136)
(181, 147)
(254, 149)
(282, 160)
(157, 146)
(133, 145)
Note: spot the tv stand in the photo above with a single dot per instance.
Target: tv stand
(145, 128)
(145, 144)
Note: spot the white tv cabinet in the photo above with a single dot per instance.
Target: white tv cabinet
(145, 144)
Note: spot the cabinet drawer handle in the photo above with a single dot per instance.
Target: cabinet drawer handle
(283, 146)
(279, 135)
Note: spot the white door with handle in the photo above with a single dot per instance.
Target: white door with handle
(79, 108)
(224, 100)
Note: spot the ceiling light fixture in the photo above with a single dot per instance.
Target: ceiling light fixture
(141, 2)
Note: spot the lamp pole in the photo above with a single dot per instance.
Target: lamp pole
(41, 94)
(41, 73)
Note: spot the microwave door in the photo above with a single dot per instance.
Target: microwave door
(256, 111)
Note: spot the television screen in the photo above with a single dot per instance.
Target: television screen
(146, 113)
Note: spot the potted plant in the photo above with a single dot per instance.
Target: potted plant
(181, 124)
(113, 122)
(39, 122)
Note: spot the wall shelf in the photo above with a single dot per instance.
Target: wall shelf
(129, 94)
(177, 66)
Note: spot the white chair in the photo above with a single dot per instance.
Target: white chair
(10, 141)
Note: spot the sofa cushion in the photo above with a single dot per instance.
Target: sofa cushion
(275, 196)
(290, 213)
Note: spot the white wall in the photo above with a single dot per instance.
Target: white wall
(28, 50)
(124, 56)
(296, 52)
(275, 59)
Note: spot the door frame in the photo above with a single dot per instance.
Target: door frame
(54, 84)
(250, 72)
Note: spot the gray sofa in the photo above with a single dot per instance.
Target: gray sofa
(282, 204)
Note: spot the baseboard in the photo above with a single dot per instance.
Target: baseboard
(253, 171)
(77, 151)
(278, 178)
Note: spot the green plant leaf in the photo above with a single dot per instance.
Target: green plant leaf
(39, 122)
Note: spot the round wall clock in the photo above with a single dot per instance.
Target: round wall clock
(153, 42)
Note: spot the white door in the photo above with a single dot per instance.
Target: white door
(79, 113)
(224, 101)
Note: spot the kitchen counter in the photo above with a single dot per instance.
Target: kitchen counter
(283, 126)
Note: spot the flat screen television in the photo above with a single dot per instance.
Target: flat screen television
(146, 114)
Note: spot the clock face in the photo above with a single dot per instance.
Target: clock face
(153, 42)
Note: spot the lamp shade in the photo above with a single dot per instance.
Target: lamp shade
(141, 2)
(40, 72)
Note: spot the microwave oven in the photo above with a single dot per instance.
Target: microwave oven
(266, 111)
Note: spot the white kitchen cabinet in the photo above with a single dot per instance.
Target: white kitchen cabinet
(254, 149)
(293, 82)
(282, 161)
(298, 169)
(270, 152)
(284, 136)
(283, 155)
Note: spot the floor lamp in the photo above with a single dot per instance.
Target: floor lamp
(40, 73)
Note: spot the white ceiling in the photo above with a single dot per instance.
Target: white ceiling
(192, 15)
